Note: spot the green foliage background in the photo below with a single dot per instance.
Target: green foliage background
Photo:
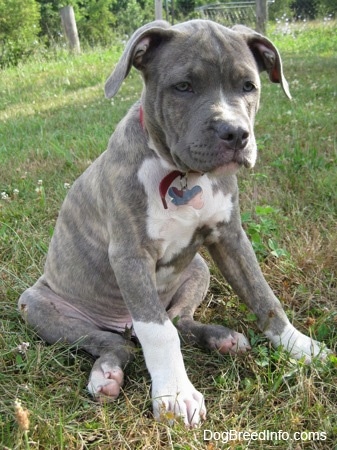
(302, 9)
(30, 26)
(19, 29)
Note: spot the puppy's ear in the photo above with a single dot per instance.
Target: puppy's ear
(266, 55)
(144, 39)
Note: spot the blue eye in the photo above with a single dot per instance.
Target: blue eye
(184, 87)
(248, 86)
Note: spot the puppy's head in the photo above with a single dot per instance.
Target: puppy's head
(201, 91)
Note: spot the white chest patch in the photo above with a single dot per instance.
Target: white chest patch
(174, 227)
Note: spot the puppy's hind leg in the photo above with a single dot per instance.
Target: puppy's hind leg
(54, 321)
(192, 290)
(107, 377)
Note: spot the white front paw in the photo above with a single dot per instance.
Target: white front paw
(178, 400)
(299, 345)
(172, 392)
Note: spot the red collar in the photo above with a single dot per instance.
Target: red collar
(166, 183)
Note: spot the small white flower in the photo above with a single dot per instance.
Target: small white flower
(4, 196)
(39, 182)
(66, 185)
(16, 192)
(23, 347)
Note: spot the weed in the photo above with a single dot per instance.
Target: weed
(260, 227)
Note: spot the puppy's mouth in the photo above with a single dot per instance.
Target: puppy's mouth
(224, 163)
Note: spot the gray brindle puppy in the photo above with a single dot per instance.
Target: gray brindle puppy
(124, 253)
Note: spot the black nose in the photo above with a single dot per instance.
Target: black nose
(235, 137)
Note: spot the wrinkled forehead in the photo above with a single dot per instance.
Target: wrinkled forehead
(206, 48)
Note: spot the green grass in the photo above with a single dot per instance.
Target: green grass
(54, 120)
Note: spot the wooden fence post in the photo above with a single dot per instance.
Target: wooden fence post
(158, 8)
(70, 28)
(261, 16)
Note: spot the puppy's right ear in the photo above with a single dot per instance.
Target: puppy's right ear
(139, 44)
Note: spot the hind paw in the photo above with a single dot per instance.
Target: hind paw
(225, 340)
(105, 382)
(234, 343)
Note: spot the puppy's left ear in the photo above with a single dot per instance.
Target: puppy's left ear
(266, 55)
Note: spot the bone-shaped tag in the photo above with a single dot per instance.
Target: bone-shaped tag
(191, 197)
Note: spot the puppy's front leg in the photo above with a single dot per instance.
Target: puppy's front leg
(236, 259)
(172, 390)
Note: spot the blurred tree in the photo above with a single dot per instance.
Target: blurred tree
(305, 9)
(51, 28)
(279, 9)
(95, 21)
(131, 14)
(185, 7)
(19, 29)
